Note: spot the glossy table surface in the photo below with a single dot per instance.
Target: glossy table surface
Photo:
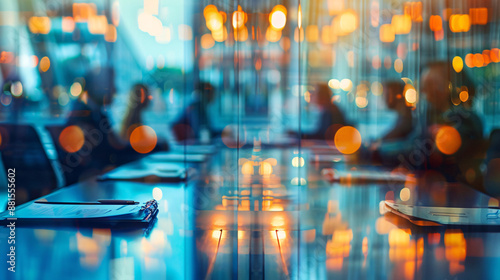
(257, 213)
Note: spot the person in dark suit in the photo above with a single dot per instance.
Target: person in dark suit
(103, 148)
(449, 137)
(395, 101)
(194, 119)
(330, 115)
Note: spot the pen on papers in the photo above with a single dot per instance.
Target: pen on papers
(365, 177)
(99, 202)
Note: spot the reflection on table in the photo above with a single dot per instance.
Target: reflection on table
(255, 213)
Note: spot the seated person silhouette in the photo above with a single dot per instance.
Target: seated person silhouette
(456, 130)
(330, 116)
(395, 101)
(194, 123)
(139, 99)
(8, 80)
(92, 145)
(450, 139)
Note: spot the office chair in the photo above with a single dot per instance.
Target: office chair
(22, 149)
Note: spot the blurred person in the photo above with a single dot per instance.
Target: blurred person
(9, 78)
(139, 99)
(103, 148)
(330, 115)
(194, 122)
(442, 86)
(395, 101)
(450, 139)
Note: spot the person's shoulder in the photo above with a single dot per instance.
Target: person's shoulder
(459, 112)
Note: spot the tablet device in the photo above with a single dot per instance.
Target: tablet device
(448, 204)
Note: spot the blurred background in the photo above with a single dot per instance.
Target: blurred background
(395, 87)
(264, 58)
(205, 70)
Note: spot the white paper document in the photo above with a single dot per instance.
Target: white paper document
(68, 211)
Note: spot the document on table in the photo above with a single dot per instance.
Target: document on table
(177, 157)
(365, 176)
(162, 171)
(67, 211)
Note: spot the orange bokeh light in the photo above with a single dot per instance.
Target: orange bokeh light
(414, 10)
(469, 60)
(478, 60)
(386, 33)
(277, 18)
(478, 16)
(458, 64)
(143, 139)
(207, 41)
(210, 9)
(83, 11)
(459, 23)
(436, 23)
(448, 140)
(401, 24)
(68, 24)
(39, 25)
(347, 140)
(495, 55)
(72, 139)
(348, 22)
(44, 64)
(464, 96)
(486, 57)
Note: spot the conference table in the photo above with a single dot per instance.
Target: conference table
(255, 213)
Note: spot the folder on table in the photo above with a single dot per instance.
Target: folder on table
(177, 157)
(82, 214)
(151, 173)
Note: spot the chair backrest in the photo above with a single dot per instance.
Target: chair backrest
(21, 148)
(72, 165)
(492, 175)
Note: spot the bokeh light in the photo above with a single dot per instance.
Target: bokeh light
(436, 23)
(239, 19)
(347, 140)
(277, 18)
(346, 84)
(464, 96)
(157, 194)
(72, 139)
(265, 168)
(411, 95)
(334, 83)
(404, 194)
(298, 162)
(377, 88)
(458, 64)
(207, 41)
(143, 139)
(448, 140)
(16, 89)
(76, 89)
(44, 64)
(386, 33)
(247, 168)
(348, 22)
(398, 65)
(401, 24)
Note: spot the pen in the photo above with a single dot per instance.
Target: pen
(99, 202)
